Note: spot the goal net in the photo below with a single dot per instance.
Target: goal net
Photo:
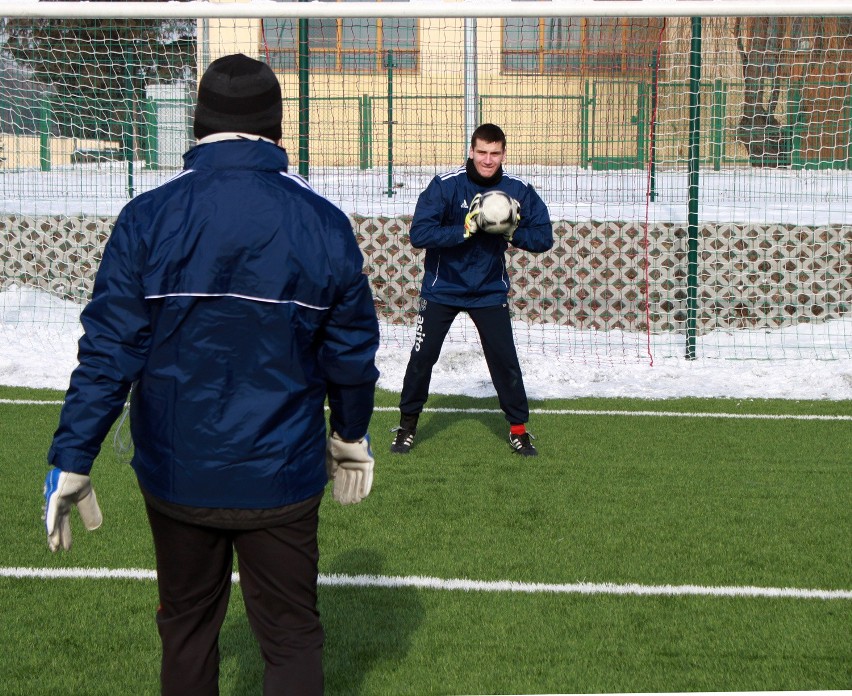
(698, 172)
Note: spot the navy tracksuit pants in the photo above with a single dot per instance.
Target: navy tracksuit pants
(498, 346)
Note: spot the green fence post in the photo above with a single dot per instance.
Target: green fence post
(44, 132)
(718, 124)
(152, 144)
(794, 105)
(584, 127)
(848, 131)
(641, 118)
(593, 115)
(304, 99)
(366, 135)
(390, 190)
(654, 102)
(127, 145)
(694, 163)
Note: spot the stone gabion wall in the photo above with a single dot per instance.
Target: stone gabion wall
(598, 275)
(56, 253)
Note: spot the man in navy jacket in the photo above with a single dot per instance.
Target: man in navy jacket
(465, 271)
(232, 300)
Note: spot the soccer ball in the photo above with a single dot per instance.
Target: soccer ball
(497, 212)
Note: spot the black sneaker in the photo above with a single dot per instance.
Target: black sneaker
(521, 445)
(404, 440)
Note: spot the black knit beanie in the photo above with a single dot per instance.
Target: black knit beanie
(238, 94)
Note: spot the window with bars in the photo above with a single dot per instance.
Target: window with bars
(575, 45)
(347, 45)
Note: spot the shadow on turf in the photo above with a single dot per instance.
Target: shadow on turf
(364, 627)
(432, 424)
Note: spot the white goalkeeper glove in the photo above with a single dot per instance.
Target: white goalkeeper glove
(471, 220)
(63, 490)
(350, 466)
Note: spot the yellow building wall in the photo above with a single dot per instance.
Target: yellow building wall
(23, 151)
(550, 120)
(428, 107)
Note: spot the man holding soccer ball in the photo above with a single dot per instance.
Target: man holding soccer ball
(466, 219)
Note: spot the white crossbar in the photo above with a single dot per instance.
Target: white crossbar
(428, 8)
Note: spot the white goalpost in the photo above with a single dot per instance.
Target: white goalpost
(696, 157)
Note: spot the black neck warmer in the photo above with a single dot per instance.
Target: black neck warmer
(480, 180)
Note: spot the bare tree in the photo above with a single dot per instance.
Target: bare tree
(95, 70)
(760, 43)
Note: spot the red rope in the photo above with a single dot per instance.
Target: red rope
(265, 43)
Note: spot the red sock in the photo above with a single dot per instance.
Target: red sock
(518, 429)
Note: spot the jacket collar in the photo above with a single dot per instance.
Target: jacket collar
(236, 151)
(219, 137)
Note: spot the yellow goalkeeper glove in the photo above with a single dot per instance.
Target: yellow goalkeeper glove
(471, 220)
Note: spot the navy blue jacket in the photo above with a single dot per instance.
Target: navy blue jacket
(472, 272)
(232, 297)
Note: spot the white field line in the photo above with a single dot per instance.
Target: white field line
(664, 414)
(463, 585)
(556, 412)
(30, 402)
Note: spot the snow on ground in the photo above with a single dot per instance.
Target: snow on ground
(39, 342)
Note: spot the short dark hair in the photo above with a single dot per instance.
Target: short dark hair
(488, 133)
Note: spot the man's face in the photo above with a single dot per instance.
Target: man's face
(487, 157)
